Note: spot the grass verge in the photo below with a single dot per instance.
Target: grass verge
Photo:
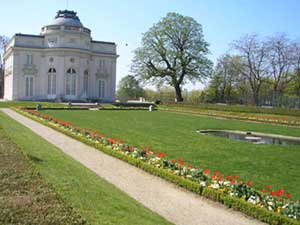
(7, 104)
(94, 198)
(24, 197)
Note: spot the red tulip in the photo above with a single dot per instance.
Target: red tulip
(206, 171)
(264, 190)
(249, 183)
(279, 192)
(161, 155)
(229, 177)
(288, 195)
(272, 193)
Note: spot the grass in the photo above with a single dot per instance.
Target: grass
(24, 197)
(95, 199)
(248, 115)
(175, 134)
(237, 108)
(8, 104)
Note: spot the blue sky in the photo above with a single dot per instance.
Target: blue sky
(124, 21)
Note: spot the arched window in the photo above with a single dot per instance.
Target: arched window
(71, 82)
(85, 82)
(52, 81)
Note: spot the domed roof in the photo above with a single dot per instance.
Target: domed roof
(66, 18)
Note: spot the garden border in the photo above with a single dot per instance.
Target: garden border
(241, 205)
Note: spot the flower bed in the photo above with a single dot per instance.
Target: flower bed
(268, 205)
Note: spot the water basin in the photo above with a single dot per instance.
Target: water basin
(253, 137)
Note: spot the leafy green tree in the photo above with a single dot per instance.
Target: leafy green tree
(129, 88)
(194, 96)
(293, 87)
(173, 52)
(225, 81)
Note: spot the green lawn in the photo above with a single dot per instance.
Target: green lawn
(236, 108)
(8, 104)
(95, 199)
(175, 134)
(24, 197)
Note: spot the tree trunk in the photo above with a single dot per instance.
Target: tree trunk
(256, 98)
(178, 93)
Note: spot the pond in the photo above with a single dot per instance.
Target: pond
(256, 138)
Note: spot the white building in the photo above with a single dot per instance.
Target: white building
(62, 63)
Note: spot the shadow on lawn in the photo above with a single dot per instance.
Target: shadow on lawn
(34, 158)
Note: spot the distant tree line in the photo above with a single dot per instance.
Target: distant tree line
(260, 71)
(257, 70)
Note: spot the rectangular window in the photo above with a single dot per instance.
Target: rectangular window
(29, 59)
(68, 86)
(85, 83)
(102, 64)
(71, 84)
(29, 86)
(101, 88)
(51, 84)
(73, 89)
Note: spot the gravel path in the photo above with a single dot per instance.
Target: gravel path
(173, 203)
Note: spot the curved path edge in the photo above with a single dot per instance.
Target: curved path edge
(177, 205)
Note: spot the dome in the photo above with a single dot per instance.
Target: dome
(66, 18)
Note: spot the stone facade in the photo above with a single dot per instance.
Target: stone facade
(63, 63)
(1, 81)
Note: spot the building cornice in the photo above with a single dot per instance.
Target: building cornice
(64, 49)
(103, 42)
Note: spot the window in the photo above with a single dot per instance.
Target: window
(101, 84)
(52, 81)
(71, 82)
(29, 86)
(29, 59)
(102, 64)
(85, 82)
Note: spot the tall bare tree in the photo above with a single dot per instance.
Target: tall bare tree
(227, 71)
(3, 43)
(295, 49)
(253, 67)
(173, 52)
(279, 60)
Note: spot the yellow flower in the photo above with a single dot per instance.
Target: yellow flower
(279, 209)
